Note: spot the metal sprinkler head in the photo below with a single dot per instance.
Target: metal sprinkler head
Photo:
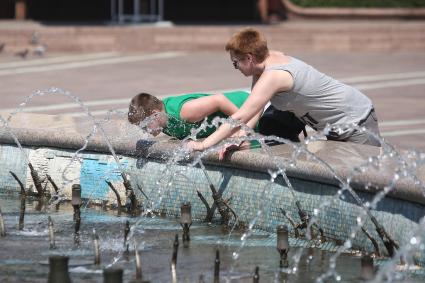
(2, 226)
(367, 268)
(283, 244)
(256, 277)
(76, 195)
(186, 214)
(282, 238)
(96, 246)
(113, 275)
(51, 234)
(126, 233)
(217, 267)
(186, 220)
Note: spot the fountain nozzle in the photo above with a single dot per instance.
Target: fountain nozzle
(174, 259)
(2, 226)
(76, 195)
(36, 180)
(367, 268)
(126, 232)
(283, 244)
(217, 267)
(256, 278)
(96, 247)
(51, 234)
(76, 204)
(186, 220)
(113, 275)
(58, 269)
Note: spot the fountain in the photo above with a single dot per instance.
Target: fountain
(326, 206)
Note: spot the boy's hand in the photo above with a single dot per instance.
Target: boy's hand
(195, 145)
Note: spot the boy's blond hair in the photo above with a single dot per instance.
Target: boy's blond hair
(246, 41)
(142, 106)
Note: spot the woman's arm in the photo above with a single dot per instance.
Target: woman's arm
(197, 109)
(267, 85)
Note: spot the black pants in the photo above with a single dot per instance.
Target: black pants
(283, 124)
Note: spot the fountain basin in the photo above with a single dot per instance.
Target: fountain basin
(244, 177)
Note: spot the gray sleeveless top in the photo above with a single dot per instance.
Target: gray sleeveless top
(318, 99)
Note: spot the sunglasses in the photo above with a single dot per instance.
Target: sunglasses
(235, 63)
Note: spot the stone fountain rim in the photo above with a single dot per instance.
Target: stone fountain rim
(252, 160)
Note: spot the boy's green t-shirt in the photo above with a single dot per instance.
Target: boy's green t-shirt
(180, 129)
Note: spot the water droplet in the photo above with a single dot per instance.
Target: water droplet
(347, 244)
(235, 255)
(359, 220)
(294, 270)
(413, 241)
(338, 278)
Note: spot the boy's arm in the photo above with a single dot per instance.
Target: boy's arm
(197, 109)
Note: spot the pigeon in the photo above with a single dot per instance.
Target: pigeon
(23, 54)
(34, 38)
(39, 50)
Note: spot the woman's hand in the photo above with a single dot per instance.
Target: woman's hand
(223, 153)
(195, 145)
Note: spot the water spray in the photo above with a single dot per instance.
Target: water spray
(52, 244)
(210, 213)
(19, 182)
(36, 180)
(223, 208)
(186, 220)
(143, 193)
(291, 221)
(283, 245)
(133, 206)
(58, 270)
(55, 187)
(374, 242)
(217, 267)
(117, 195)
(389, 242)
(76, 204)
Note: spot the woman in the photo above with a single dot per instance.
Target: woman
(292, 85)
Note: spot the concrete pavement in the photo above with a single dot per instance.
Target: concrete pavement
(104, 81)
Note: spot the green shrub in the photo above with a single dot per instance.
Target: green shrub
(360, 3)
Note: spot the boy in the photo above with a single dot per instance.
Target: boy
(177, 116)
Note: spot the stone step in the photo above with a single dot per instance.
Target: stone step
(289, 36)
